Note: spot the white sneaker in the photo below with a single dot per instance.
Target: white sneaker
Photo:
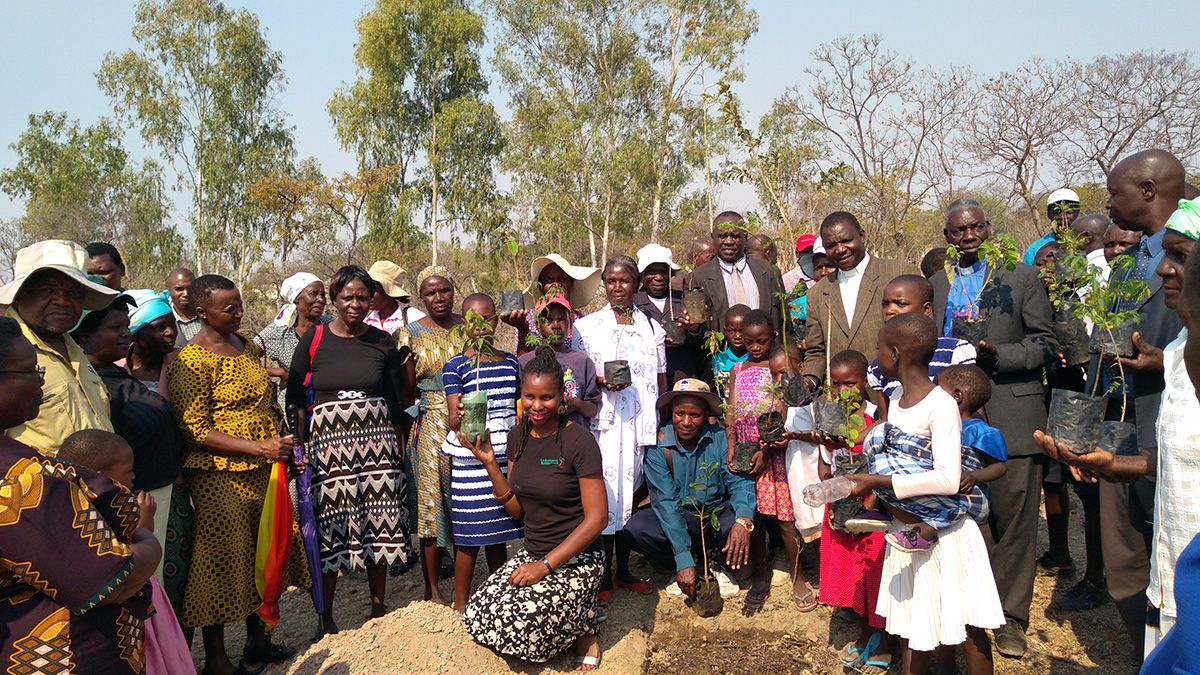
(729, 587)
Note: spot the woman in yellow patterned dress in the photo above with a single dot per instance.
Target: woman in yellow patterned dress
(425, 346)
(231, 425)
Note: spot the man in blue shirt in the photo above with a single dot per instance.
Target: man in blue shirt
(688, 470)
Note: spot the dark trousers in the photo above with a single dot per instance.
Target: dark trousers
(645, 535)
(1012, 533)
(1125, 531)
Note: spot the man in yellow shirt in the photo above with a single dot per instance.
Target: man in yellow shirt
(47, 297)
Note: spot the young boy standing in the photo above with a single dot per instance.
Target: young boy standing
(911, 294)
(734, 352)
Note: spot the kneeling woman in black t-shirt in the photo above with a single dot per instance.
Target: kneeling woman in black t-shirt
(544, 599)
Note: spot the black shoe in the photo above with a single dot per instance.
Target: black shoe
(1010, 640)
(1082, 596)
(1049, 566)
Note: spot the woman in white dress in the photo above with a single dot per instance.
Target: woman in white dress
(627, 421)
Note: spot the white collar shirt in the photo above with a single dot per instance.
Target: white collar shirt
(849, 282)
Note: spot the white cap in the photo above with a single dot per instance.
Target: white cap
(654, 253)
(819, 246)
(1062, 195)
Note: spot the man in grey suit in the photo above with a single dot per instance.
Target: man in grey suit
(843, 308)
(1144, 189)
(732, 278)
(1018, 343)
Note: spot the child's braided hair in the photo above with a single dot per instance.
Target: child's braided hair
(544, 362)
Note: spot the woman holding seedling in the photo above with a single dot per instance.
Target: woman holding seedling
(628, 351)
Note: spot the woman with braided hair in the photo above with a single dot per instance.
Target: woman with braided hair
(543, 600)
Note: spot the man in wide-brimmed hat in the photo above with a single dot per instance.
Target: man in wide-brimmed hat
(389, 307)
(47, 296)
(691, 451)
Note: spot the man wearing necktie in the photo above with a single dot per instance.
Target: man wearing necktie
(1144, 189)
(732, 278)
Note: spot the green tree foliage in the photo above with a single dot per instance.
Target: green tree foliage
(203, 87)
(79, 183)
(686, 39)
(583, 98)
(418, 104)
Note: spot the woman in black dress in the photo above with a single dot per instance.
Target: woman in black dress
(543, 600)
(353, 443)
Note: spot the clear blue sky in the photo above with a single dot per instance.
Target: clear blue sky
(52, 49)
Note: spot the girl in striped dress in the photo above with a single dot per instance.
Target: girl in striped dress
(476, 516)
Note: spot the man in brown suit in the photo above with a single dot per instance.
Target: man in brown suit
(843, 308)
(733, 278)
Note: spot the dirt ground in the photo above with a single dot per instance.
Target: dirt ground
(657, 634)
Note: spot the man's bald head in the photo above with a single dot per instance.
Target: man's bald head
(1092, 227)
(1144, 190)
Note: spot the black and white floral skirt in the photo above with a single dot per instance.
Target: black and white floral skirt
(538, 622)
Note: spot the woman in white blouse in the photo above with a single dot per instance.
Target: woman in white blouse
(627, 421)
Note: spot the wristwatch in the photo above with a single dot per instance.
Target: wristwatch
(745, 522)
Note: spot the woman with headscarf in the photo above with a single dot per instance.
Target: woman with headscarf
(140, 416)
(353, 442)
(152, 325)
(303, 297)
(627, 421)
(232, 432)
(425, 347)
(578, 283)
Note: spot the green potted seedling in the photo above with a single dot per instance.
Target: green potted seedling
(795, 393)
(695, 303)
(511, 300)
(743, 451)
(708, 601)
(1070, 273)
(1077, 418)
(998, 252)
(616, 372)
(475, 334)
(770, 422)
(675, 333)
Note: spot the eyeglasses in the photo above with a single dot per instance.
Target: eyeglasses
(40, 371)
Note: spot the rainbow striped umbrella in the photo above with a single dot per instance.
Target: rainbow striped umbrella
(274, 545)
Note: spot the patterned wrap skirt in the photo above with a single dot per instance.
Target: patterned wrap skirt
(536, 623)
(358, 485)
(429, 470)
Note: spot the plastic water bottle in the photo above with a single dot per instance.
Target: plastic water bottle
(838, 487)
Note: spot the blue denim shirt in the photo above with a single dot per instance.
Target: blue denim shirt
(669, 494)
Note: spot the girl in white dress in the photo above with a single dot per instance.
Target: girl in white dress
(627, 421)
(945, 594)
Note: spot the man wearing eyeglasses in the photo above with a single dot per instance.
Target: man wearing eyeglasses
(47, 297)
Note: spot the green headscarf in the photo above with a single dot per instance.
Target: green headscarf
(1186, 219)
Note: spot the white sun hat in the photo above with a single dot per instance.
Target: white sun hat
(654, 253)
(62, 256)
(587, 280)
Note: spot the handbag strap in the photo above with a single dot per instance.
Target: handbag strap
(312, 351)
